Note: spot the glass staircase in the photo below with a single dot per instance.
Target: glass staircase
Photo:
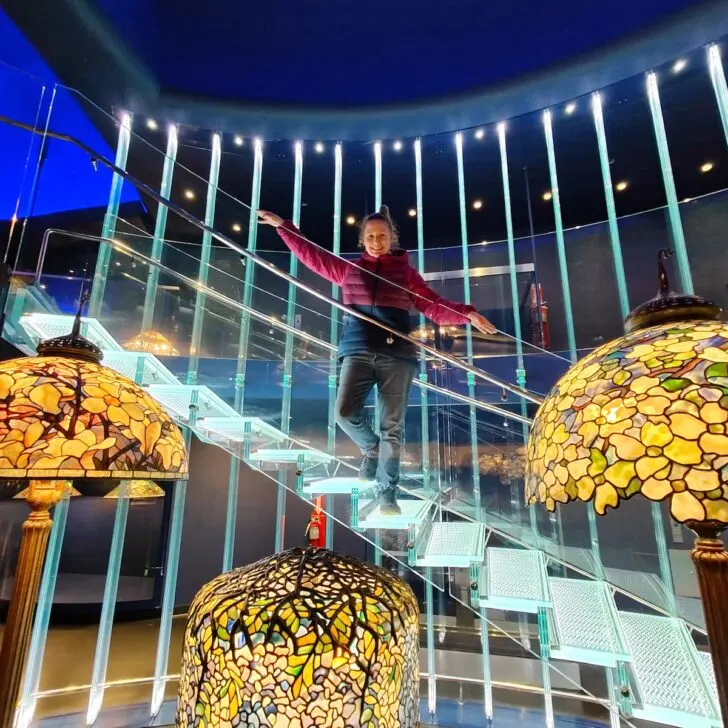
(488, 555)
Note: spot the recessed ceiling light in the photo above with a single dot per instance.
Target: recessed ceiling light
(621, 186)
(318, 148)
(151, 124)
(706, 167)
(397, 146)
(477, 204)
(570, 108)
(412, 212)
(547, 196)
(238, 140)
(351, 220)
(480, 133)
(679, 65)
(189, 194)
(236, 227)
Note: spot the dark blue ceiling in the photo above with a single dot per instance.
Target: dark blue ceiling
(335, 52)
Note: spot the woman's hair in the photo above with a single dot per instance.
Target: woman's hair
(383, 215)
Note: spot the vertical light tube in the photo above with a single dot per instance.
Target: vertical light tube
(468, 328)
(377, 176)
(521, 370)
(34, 666)
(160, 226)
(108, 606)
(377, 205)
(424, 404)
(201, 298)
(288, 350)
(611, 207)
(560, 245)
(243, 344)
(717, 78)
(430, 625)
(334, 333)
(171, 568)
(485, 656)
(101, 272)
(673, 209)
(545, 644)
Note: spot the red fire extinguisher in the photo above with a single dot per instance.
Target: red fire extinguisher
(316, 529)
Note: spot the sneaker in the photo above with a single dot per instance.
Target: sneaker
(368, 467)
(387, 501)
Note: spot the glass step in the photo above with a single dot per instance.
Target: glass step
(177, 399)
(413, 513)
(513, 579)
(453, 544)
(276, 455)
(706, 660)
(140, 367)
(667, 670)
(233, 430)
(332, 486)
(586, 624)
(49, 325)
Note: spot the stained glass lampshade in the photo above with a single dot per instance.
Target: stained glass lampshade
(647, 414)
(138, 490)
(63, 416)
(305, 638)
(152, 342)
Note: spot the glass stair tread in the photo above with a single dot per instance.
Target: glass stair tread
(514, 579)
(343, 485)
(233, 429)
(141, 367)
(177, 399)
(670, 689)
(413, 513)
(587, 628)
(42, 326)
(644, 585)
(706, 660)
(280, 455)
(453, 544)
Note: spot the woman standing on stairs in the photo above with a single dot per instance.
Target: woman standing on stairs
(381, 284)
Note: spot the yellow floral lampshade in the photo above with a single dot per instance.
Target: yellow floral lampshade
(72, 418)
(152, 342)
(138, 490)
(305, 638)
(646, 413)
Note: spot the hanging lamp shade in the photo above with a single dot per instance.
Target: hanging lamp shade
(644, 414)
(152, 342)
(138, 490)
(26, 492)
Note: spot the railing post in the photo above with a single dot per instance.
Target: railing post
(160, 226)
(475, 462)
(103, 260)
(201, 299)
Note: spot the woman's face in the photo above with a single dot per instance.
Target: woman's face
(377, 238)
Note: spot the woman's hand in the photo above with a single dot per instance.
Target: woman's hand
(269, 218)
(482, 324)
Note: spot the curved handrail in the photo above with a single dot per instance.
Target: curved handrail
(471, 370)
(253, 313)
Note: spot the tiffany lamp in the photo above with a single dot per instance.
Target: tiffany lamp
(152, 342)
(64, 416)
(138, 490)
(647, 414)
(304, 638)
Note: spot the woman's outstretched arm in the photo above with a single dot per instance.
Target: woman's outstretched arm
(442, 311)
(325, 264)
